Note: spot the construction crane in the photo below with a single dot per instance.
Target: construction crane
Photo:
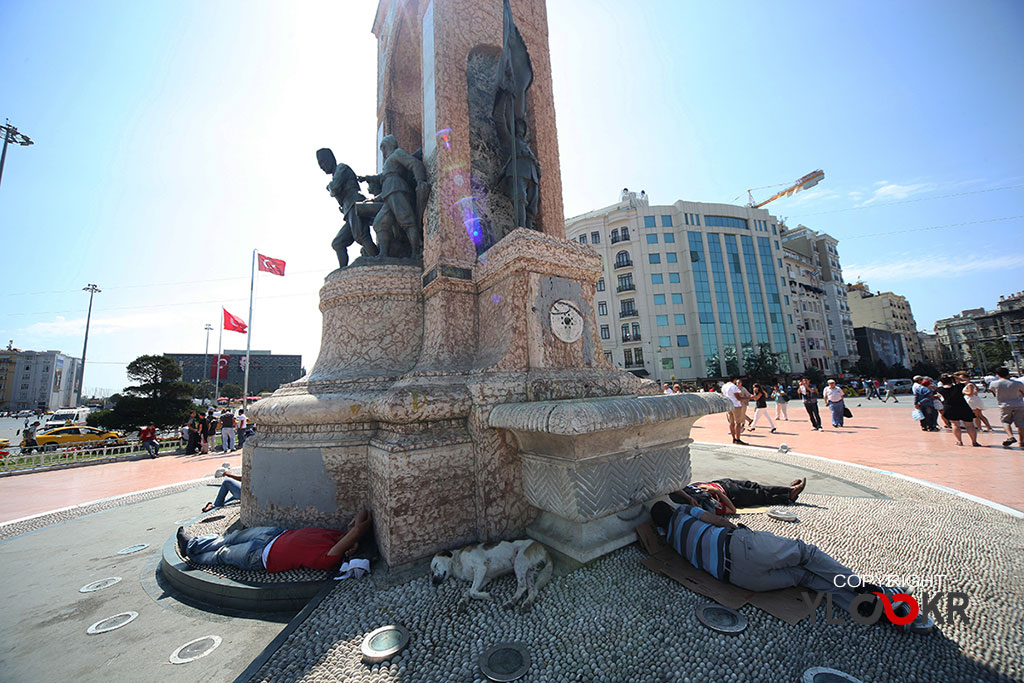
(804, 183)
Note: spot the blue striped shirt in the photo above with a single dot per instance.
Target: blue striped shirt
(701, 544)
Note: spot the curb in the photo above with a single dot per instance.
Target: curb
(1013, 512)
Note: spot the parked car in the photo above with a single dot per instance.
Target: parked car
(901, 386)
(66, 416)
(62, 437)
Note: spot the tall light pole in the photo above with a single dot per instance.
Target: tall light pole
(93, 290)
(11, 134)
(208, 328)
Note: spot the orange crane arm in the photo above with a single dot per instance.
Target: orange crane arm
(808, 181)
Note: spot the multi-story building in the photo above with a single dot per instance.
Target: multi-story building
(690, 290)
(823, 251)
(38, 380)
(932, 350)
(959, 336)
(807, 313)
(268, 371)
(1005, 324)
(885, 311)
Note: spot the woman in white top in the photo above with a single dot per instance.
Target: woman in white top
(834, 400)
(974, 401)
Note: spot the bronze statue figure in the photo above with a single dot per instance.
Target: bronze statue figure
(402, 191)
(358, 214)
(521, 173)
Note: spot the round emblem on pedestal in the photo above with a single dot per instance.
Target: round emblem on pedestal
(566, 321)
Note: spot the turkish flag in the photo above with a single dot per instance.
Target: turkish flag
(270, 265)
(234, 323)
(219, 369)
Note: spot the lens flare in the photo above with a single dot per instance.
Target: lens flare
(470, 219)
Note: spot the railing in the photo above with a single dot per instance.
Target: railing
(628, 313)
(624, 264)
(50, 455)
(635, 365)
(617, 239)
(630, 287)
(630, 337)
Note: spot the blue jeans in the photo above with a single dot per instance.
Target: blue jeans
(836, 409)
(242, 549)
(228, 486)
(151, 446)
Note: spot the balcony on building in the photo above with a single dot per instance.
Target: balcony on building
(626, 338)
(628, 287)
(628, 313)
(622, 260)
(618, 236)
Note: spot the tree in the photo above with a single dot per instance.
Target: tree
(995, 354)
(925, 369)
(231, 391)
(763, 366)
(816, 376)
(158, 397)
(203, 390)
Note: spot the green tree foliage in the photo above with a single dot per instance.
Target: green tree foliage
(816, 376)
(924, 369)
(203, 390)
(157, 397)
(995, 354)
(763, 366)
(231, 391)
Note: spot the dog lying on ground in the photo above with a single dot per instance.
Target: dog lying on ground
(480, 563)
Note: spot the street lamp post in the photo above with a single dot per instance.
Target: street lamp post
(93, 290)
(206, 372)
(11, 134)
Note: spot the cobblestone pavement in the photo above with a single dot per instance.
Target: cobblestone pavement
(883, 435)
(614, 620)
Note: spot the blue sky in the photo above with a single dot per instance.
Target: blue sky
(173, 138)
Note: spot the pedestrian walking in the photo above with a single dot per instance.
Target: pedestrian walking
(780, 403)
(890, 391)
(809, 394)
(974, 401)
(956, 410)
(227, 431)
(1010, 395)
(924, 401)
(243, 430)
(29, 435)
(834, 401)
(210, 432)
(760, 399)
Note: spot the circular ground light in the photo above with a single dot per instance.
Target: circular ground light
(384, 643)
(721, 619)
(781, 515)
(111, 623)
(823, 674)
(505, 662)
(99, 585)
(133, 549)
(194, 649)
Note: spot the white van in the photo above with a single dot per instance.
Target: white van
(74, 416)
(901, 386)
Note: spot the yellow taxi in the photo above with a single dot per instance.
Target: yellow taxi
(62, 437)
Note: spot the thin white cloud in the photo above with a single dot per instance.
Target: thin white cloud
(886, 191)
(910, 268)
(62, 327)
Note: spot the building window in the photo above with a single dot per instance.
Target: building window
(627, 308)
(662, 320)
(654, 258)
(670, 257)
(657, 279)
(652, 238)
(684, 362)
(682, 340)
(786, 298)
(673, 277)
(638, 356)
(667, 364)
(649, 222)
(627, 356)
(790, 317)
(776, 245)
(773, 229)
(666, 221)
(669, 238)
(659, 299)
(636, 331)
(595, 238)
(615, 235)
(602, 308)
(691, 218)
(600, 284)
(725, 222)
(605, 333)
(679, 319)
(677, 298)
(622, 260)
(665, 341)
(583, 239)
(625, 332)
(625, 234)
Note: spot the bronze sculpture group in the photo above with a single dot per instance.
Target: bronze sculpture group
(400, 191)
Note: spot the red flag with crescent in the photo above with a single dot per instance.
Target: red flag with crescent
(233, 323)
(274, 266)
(219, 368)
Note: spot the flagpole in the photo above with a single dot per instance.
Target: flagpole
(220, 340)
(248, 333)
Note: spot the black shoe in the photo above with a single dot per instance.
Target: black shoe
(183, 540)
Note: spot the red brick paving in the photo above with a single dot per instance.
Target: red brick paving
(885, 436)
(25, 495)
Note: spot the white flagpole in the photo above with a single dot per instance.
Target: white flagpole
(248, 333)
(220, 340)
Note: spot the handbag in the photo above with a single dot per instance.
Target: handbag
(917, 415)
(846, 412)
(937, 404)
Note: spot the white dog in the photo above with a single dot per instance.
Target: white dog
(480, 563)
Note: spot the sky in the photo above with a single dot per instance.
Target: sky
(173, 139)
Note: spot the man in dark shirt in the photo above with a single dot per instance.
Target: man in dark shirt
(195, 433)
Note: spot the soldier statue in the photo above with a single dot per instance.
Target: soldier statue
(403, 194)
(358, 214)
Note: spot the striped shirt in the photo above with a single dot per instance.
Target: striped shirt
(701, 544)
